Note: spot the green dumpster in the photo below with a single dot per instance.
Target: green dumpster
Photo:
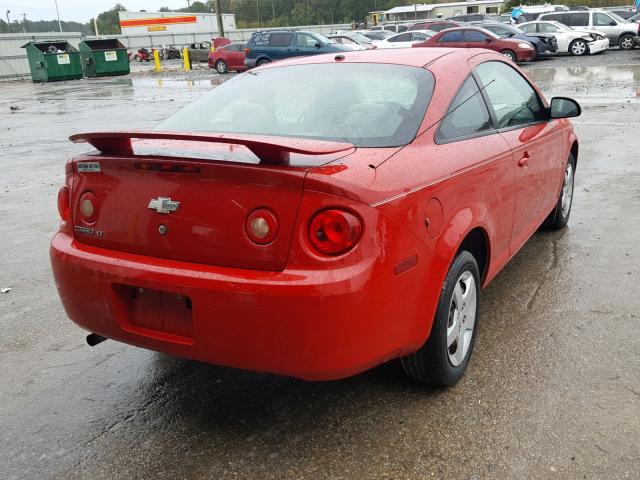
(104, 57)
(52, 61)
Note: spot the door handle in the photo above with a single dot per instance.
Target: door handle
(524, 161)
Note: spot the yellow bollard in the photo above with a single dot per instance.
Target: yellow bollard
(185, 59)
(156, 59)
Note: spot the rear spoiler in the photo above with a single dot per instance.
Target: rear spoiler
(268, 149)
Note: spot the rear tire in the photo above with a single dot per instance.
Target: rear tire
(578, 47)
(262, 61)
(625, 42)
(221, 66)
(510, 55)
(444, 357)
(559, 216)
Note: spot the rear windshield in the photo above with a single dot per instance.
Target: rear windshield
(367, 105)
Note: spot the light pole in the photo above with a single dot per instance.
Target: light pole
(58, 13)
(8, 21)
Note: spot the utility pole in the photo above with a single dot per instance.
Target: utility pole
(8, 21)
(24, 25)
(219, 18)
(58, 13)
(258, 9)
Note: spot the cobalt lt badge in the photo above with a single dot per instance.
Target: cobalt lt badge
(163, 205)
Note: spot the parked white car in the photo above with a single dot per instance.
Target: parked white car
(573, 41)
(404, 39)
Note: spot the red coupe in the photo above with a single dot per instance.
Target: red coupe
(289, 223)
(228, 58)
(467, 37)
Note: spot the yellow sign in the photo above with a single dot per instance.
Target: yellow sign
(159, 28)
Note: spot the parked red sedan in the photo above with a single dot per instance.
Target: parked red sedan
(289, 223)
(228, 57)
(467, 37)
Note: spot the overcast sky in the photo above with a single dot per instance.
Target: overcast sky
(78, 10)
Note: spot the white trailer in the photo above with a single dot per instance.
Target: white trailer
(148, 23)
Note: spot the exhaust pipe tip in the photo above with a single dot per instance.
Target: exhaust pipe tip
(94, 339)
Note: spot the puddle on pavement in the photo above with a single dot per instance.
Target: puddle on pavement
(598, 81)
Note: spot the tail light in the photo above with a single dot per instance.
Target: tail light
(88, 207)
(334, 231)
(261, 226)
(246, 51)
(64, 206)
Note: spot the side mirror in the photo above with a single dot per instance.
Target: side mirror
(318, 44)
(612, 23)
(488, 39)
(563, 107)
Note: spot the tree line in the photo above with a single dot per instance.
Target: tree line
(266, 13)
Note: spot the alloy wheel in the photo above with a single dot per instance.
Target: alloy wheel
(462, 318)
(579, 47)
(567, 190)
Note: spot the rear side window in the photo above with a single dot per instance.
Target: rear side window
(467, 116)
(452, 37)
(580, 19)
(513, 100)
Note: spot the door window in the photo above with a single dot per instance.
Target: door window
(305, 41)
(403, 37)
(467, 116)
(602, 20)
(548, 28)
(514, 101)
(474, 36)
(531, 28)
(452, 37)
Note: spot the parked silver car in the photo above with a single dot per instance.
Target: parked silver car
(620, 32)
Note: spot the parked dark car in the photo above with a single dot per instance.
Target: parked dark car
(545, 43)
(265, 47)
(470, 37)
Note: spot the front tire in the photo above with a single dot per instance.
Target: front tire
(626, 42)
(578, 47)
(221, 66)
(444, 357)
(510, 55)
(559, 216)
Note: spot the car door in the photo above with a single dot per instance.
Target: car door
(233, 56)
(467, 131)
(536, 143)
(453, 39)
(607, 25)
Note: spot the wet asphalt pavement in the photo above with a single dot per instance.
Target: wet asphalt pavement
(553, 389)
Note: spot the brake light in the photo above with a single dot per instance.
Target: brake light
(334, 231)
(88, 207)
(261, 226)
(64, 208)
(246, 50)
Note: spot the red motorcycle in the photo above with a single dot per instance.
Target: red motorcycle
(142, 55)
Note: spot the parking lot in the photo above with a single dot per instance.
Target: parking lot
(553, 390)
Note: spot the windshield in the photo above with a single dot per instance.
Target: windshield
(360, 38)
(617, 17)
(308, 101)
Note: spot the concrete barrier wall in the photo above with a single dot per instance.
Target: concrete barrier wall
(13, 58)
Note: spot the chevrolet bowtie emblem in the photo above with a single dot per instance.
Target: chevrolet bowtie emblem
(163, 205)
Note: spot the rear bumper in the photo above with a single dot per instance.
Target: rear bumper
(315, 325)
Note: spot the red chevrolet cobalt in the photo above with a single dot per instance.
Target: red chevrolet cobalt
(318, 216)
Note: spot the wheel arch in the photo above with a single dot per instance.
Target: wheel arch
(477, 243)
(574, 151)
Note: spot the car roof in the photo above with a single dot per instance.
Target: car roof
(413, 57)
